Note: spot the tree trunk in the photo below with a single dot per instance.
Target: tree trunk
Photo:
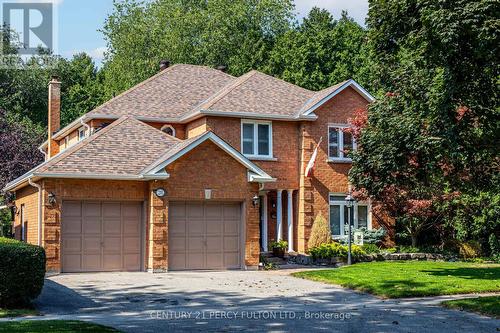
(413, 240)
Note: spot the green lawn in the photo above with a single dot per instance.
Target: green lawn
(5, 313)
(59, 326)
(489, 305)
(412, 278)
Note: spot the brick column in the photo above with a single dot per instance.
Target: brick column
(305, 197)
(51, 230)
(157, 232)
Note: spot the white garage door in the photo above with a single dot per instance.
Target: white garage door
(101, 236)
(204, 236)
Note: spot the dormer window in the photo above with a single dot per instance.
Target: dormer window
(81, 133)
(168, 129)
(257, 139)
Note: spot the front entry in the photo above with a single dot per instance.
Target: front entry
(101, 236)
(204, 235)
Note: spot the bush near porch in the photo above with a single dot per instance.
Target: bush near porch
(22, 272)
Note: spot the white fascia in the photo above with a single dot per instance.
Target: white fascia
(350, 83)
(159, 165)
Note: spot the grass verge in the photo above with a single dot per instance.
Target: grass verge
(488, 305)
(412, 278)
(59, 326)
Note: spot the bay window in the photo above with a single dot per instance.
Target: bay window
(256, 138)
(340, 143)
(339, 216)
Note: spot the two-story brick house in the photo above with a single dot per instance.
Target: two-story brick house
(190, 169)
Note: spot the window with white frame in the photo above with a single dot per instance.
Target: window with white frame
(81, 133)
(340, 143)
(339, 216)
(257, 138)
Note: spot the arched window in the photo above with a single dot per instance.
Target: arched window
(168, 129)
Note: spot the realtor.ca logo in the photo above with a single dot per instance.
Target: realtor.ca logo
(28, 29)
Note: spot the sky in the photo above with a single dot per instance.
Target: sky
(79, 21)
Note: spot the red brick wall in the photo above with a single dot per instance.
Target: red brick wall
(27, 196)
(285, 149)
(328, 177)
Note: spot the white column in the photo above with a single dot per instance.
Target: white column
(279, 215)
(289, 215)
(264, 223)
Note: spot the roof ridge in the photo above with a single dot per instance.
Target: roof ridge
(223, 92)
(288, 83)
(68, 152)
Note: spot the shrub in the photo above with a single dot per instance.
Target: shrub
(333, 250)
(320, 233)
(22, 272)
(370, 248)
(469, 250)
(375, 236)
(283, 245)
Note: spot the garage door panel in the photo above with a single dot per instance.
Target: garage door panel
(194, 210)
(131, 244)
(195, 260)
(232, 260)
(215, 260)
(195, 244)
(177, 244)
(92, 225)
(72, 244)
(195, 227)
(91, 244)
(131, 227)
(204, 235)
(72, 209)
(131, 261)
(231, 243)
(101, 236)
(73, 224)
(91, 262)
(214, 243)
(112, 262)
(214, 227)
(72, 262)
(112, 226)
(232, 211)
(91, 209)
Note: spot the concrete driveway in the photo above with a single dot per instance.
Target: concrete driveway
(238, 300)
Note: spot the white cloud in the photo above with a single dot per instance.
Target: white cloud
(57, 2)
(97, 54)
(357, 9)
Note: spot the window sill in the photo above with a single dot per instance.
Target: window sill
(261, 158)
(339, 160)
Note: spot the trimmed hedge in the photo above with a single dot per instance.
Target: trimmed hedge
(22, 272)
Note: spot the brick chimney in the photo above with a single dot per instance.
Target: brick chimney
(54, 115)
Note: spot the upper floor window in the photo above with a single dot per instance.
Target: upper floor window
(257, 138)
(81, 133)
(340, 143)
(340, 216)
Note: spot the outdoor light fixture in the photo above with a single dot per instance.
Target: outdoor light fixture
(255, 200)
(349, 204)
(160, 192)
(52, 199)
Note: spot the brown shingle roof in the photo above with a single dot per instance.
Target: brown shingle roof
(258, 93)
(318, 96)
(171, 93)
(123, 148)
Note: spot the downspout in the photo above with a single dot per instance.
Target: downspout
(43, 152)
(87, 126)
(39, 209)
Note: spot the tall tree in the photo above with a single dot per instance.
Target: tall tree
(432, 141)
(238, 34)
(321, 52)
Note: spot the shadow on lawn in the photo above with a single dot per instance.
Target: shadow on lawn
(479, 273)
